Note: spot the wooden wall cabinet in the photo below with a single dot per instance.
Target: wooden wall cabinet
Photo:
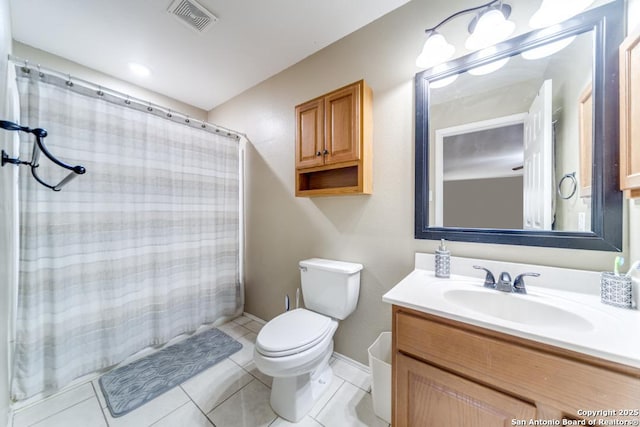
(451, 374)
(630, 115)
(333, 143)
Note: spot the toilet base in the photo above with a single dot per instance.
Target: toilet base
(293, 397)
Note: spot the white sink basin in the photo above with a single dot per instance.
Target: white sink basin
(566, 312)
(524, 309)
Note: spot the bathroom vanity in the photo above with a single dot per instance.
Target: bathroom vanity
(465, 355)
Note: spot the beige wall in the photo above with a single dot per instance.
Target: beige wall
(375, 230)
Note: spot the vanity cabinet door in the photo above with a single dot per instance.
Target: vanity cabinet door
(428, 396)
(630, 115)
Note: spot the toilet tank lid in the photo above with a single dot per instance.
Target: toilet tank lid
(331, 265)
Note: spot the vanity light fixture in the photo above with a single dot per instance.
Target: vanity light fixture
(488, 27)
(554, 11)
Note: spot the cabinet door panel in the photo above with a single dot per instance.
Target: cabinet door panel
(342, 125)
(428, 396)
(630, 115)
(309, 134)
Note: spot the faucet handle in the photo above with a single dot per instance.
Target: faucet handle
(518, 284)
(489, 280)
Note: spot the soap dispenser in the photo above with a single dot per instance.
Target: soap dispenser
(443, 261)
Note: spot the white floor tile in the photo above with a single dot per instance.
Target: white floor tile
(249, 407)
(305, 422)
(151, 411)
(52, 405)
(187, 415)
(241, 320)
(212, 386)
(253, 326)
(350, 407)
(336, 383)
(262, 377)
(352, 374)
(98, 391)
(234, 330)
(88, 411)
(245, 356)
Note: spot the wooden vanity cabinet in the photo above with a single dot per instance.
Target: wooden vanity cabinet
(333, 142)
(451, 374)
(630, 116)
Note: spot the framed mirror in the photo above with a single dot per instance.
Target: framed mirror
(517, 144)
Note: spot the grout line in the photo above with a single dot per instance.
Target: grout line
(95, 393)
(329, 400)
(63, 410)
(195, 404)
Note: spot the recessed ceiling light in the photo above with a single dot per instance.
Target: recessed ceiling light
(139, 69)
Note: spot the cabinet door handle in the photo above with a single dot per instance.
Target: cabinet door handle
(318, 154)
(325, 152)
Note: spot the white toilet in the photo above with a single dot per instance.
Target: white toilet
(294, 348)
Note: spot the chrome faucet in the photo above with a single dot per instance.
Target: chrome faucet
(518, 284)
(504, 284)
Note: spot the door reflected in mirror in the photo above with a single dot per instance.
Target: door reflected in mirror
(507, 145)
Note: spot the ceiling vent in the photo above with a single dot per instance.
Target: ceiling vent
(192, 14)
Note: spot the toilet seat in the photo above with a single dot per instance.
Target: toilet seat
(293, 332)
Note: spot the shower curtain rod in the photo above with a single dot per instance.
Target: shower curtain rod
(100, 91)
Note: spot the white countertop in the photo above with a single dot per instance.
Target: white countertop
(609, 332)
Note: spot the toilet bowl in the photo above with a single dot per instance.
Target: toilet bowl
(295, 347)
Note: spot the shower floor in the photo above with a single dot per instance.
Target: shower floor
(231, 393)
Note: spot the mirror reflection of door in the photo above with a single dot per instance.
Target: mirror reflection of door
(538, 162)
(480, 182)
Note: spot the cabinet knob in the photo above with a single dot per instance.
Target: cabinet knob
(325, 152)
(318, 154)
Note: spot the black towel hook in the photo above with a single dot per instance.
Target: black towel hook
(38, 147)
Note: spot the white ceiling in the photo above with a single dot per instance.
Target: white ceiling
(252, 41)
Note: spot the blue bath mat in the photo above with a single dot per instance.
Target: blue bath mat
(131, 386)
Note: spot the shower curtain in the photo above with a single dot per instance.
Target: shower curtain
(143, 247)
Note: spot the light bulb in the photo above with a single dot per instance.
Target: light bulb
(436, 50)
(492, 27)
(139, 69)
(553, 11)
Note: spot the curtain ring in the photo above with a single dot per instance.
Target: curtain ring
(203, 125)
(149, 108)
(574, 186)
(127, 101)
(40, 73)
(25, 67)
(169, 114)
(100, 92)
(69, 82)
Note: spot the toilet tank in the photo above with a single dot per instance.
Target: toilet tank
(330, 287)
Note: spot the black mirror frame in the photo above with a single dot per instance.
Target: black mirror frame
(607, 24)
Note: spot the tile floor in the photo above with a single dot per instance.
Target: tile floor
(232, 393)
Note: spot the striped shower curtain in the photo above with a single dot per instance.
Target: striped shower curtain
(142, 248)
